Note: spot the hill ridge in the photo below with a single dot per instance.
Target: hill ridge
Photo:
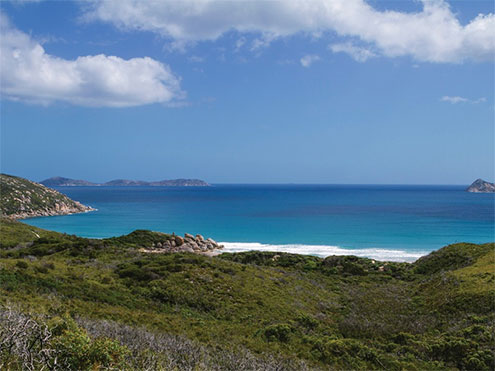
(58, 181)
(22, 198)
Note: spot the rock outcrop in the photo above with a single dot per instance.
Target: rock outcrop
(21, 198)
(188, 243)
(481, 186)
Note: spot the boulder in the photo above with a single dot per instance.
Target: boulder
(188, 236)
(159, 245)
(186, 248)
(179, 240)
(199, 238)
(213, 242)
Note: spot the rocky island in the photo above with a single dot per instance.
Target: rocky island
(67, 182)
(58, 181)
(481, 186)
(21, 198)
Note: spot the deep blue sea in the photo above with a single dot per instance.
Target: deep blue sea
(398, 223)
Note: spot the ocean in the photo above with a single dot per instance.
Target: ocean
(397, 223)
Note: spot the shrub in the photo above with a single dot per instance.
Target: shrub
(280, 332)
(310, 265)
(351, 265)
(22, 264)
(77, 351)
(60, 344)
(41, 269)
(307, 322)
(451, 257)
(136, 273)
(49, 265)
(348, 352)
(72, 347)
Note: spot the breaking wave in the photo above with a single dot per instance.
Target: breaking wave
(327, 250)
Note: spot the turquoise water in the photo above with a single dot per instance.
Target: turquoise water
(383, 222)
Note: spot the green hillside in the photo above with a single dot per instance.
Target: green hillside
(22, 198)
(108, 304)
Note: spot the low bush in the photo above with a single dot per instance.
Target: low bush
(22, 264)
(279, 332)
(58, 344)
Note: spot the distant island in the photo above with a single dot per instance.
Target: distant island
(481, 186)
(67, 182)
(60, 181)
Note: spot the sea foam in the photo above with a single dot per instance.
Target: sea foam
(327, 250)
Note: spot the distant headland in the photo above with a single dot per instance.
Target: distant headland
(21, 198)
(481, 186)
(67, 182)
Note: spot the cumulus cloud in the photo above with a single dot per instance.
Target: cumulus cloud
(433, 34)
(30, 74)
(357, 53)
(456, 99)
(308, 60)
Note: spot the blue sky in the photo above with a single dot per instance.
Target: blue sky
(322, 91)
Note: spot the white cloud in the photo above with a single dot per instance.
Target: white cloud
(29, 74)
(262, 42)
(434, 34)
(454, 100)
(357, 53)
(308, 60)
(239, 43)
(457, 99)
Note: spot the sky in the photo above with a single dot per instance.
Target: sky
(315, 91)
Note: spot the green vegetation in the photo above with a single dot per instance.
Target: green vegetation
(140, 238)
(107, 304)
(13, 233)
(21, 198)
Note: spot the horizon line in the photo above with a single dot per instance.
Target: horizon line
(284, 183)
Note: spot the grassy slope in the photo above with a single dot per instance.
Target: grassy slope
(339, 312)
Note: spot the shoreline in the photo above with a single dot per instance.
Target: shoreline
(42, 214)
(323, 251)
